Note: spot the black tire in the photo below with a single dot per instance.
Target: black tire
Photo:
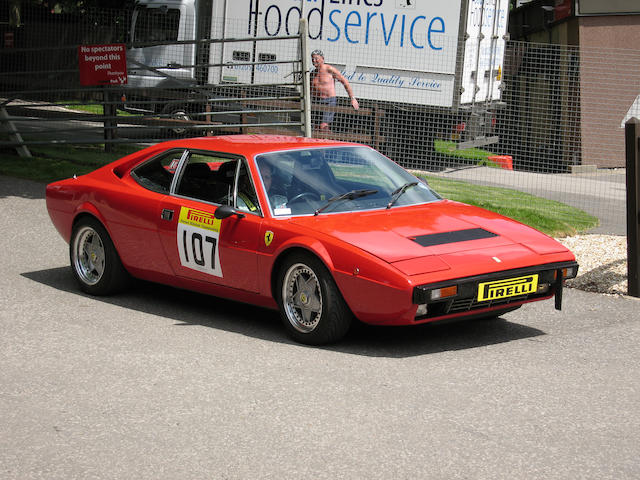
(177, 112)
(311, 306)
(94, 260)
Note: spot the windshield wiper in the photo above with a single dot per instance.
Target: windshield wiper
(353, 194)
(397, 193)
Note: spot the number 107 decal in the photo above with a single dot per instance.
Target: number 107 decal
(197, 237)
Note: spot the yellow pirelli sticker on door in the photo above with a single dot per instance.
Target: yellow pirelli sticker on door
(200, 219)
(197, 236)
(511, 287)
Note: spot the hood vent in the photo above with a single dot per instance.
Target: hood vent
(453, 237)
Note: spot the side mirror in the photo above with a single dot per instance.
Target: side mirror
(225, 211)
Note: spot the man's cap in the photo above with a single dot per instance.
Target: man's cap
(317, 52)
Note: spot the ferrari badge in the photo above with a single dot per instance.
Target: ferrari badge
(268, 237)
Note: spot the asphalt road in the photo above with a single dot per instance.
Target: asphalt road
(71, 131)
(162, 384)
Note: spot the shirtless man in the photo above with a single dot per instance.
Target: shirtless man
(323, 86)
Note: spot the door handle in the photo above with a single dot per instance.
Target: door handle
(167, 214)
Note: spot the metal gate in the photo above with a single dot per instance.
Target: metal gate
(42, 99)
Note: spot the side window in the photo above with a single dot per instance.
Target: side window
(246, 198)
(208, 177)
(157, 174)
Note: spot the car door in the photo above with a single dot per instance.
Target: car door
(134, 213)
(200, 246)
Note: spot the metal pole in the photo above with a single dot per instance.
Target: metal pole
(306, 76)
(632, 134)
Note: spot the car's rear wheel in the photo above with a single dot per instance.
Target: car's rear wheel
(94, 259)
(312, 308)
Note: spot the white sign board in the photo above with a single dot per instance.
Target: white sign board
(393, 50)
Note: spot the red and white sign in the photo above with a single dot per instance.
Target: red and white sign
(102, 64)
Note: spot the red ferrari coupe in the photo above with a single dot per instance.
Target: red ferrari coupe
(326, 232)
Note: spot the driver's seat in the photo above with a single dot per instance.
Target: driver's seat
(311, 173)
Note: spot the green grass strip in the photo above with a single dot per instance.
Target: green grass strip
(553, 218)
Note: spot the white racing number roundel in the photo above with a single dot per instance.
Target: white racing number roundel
(198, 236)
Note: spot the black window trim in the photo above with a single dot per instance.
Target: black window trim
(227, 155)
(137, 178)
(177, 176)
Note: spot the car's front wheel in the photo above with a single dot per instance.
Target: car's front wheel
(94, 260)
(312, 308)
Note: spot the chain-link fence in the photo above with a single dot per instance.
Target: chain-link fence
(169, 86)
(549, 121)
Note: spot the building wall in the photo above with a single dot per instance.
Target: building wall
(604, 108)
(562, 33)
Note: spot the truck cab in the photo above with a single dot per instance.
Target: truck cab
(153, 63)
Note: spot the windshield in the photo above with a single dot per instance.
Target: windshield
(337, 179)
(156, 24)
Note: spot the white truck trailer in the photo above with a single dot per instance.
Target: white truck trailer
(444, 54)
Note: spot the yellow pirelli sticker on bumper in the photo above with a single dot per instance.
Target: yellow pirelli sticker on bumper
(200, 219)
(511, 287)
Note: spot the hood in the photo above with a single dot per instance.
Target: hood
(431, 233)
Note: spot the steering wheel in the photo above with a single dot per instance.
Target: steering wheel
(306, 196)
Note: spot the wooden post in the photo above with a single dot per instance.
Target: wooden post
(207, 117)
(377, 112)
(14, 135)
(632, 137)
(110, 124)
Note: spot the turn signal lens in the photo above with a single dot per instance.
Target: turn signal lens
(438, 293)
(570, 272)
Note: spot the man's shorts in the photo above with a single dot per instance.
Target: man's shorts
(318, 116)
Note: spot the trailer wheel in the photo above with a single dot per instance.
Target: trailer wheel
(176, 112)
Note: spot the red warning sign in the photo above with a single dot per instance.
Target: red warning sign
(102, 64)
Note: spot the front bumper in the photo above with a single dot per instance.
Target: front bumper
(465, 300)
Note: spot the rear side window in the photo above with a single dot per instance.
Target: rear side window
(157, 174)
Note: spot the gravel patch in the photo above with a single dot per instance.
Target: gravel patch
(603, 263)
